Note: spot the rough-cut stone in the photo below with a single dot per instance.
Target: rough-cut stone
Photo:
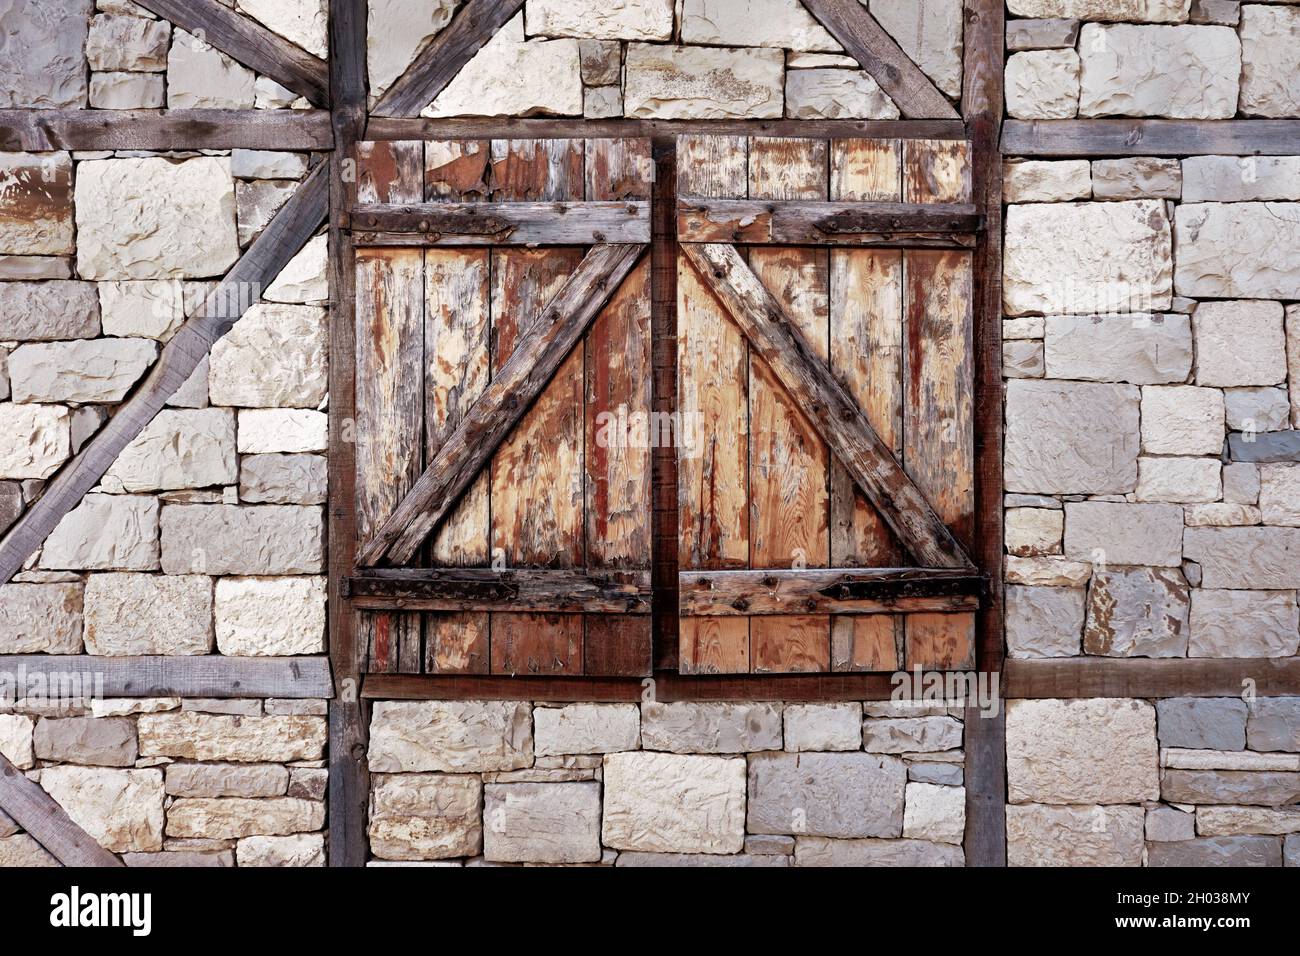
(16, 740)
(1245, 557)
(823, 727)
(826, 794)
(1257, 788)
(32, 268)
(105, 533)
(1137, 612)
(1169, 824)
(1239, 821)
(701, 859)
(1176, 759)
(178, 449)
(1022, 359)
(84, 370)
(1235, 250)
(1240, 178)
(1147, 11)
(450, 736)
(397, 31)
(151, 309)
(1178, 479)
(1040, 835)
(602, 102)
(259, 617)
(226, 780)
(542, 823)
(304, 22)
(930, 33)
(310, 783)
(836, 94)
(129, 614)
(1071, 438)
(267, 164)
(667, 82)
(935, 813)
(127, 43)
(43, 64)
(273, 357)
(106, 742)
(155, 218)
(122, 810)
(1043, 84)
(1240, 343)
(669, 803)
(1041, 34)
(228, 539)
(11, 498)
(257, 202)
(1140, 349)
(263, 430)
(1279, 494)
(1270, 81)
(1107, 532)
(283, 479)
(898, 735)
(1226, 12)
(819, 851)
(35, 206)
(296, 850)
(1214, 723)
(754, 23)
(35, 311)
(511, 76)
(1096, 750)
(1274, 724)
(193, 736)
(1044, 622)
(1281, 446)
(1244, 624)
(21, 850)
(586, 729)
(194, 393)
(686, 727)
(202, 77)
(1031, 531)
(303, 281)
(38, 439)
(40, 618)
(620, 20)
(1137, 177)
(1041, 181)
(1184, 72)
(601, 62)
(232, 818)
(1095, 257)
(1258, 409)
(942, 774)
(425, 816)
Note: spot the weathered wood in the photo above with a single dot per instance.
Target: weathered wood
(436, 65)
(535, 644)
(713, 645)
(836, 416)
(1149, 137)
(43, 130)
(1077, 677)
(211, 675)
(868, 43)
(884, 224)
(617, 645)
(500, 224)
(250, 43)
(48, 823)
(828, 591)
(241, 287)
(482, 589)
(456, 170)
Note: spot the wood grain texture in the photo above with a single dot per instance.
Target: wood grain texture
(47, 823)
(502, 224)
(456, 169)
(211, 675)
(714, 645)
(662, 131)
(889, 225)
(43, 130)
(250, 43)
(875, 50)
(1149, 137)
(449, 589)
(436, 65)
(1079, 677)
(859, 591)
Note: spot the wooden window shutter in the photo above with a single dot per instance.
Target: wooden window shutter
(825, 378)
(503, 369)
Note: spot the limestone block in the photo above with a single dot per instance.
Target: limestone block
(304, 280)
(1043, 84)
(602, 19)
(1245, 557)
(542, 823)
(190, 735)
(1137, 177)
(666, 82)
(930, 33)
(1168, 824)
(1042, 181)
(232, 818)
(105, 533)
(16, 740)
(35, 311)
(1257, 409)
(397, 31)
(273, 357)
(1031, 531)
(1274, 724)
(1107, 532)
(686, 727)
(1239, 343)
(21, 850)
(1179, 479)
(1244, 623)
(84, 370)
(127, 43)
(826, 794)
(1270, 80)
(1041, 34)
(1146, 11)
(38, 439)
(1182, 72)
(1022, 359)
(900, 735)
(44, 64)
(230, 539)
(819, 851)
(1040, 835)
(298, 849)
(1238, 250)
(126, 91)
(152, 309)
(450, 736)
(1137, 612)
(836, 94)
(257, 202)
(1240, 178)
(1139, 348)
(586, 729)
(202, 77)
(304, 22)
(122, 810)
(425, 816)
(1071, 438)
(602, 102)
(1216, 723)
(128, 614)
(226, 780)
(602, 62)
(669, 803)
(935, 813)
(1044, 622)
(823, 726)
(102, 742)
(193, 448)
(263, 430)
(1256, 788)
(40, 618)
(260, 617)
(283, 479)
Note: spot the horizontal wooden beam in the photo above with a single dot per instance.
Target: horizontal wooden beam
(500, 224)
(827, 591)
(43, 130)
(209, 675)
(249, 43)
(482, 589)
(798, 222)
(48, 823)
(1141, 677)
(1150, 137)
(386, 128)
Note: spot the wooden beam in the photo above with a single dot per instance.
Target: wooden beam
(662, 131)
(868, 43)
(501, 224)
(48, 823)
(1150, 137)
(482, 589)
(837, 417)
(827, 591)
(549, 338)
(242, 286)
(42, 130)
(436, 65)
(250, 43)
(664, 540)
(208, 675)
(1074, 677)
(807, 222)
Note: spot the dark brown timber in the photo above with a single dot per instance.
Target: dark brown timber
(481, 589)
(868, 43)
(500, 224)
(250, 43)
(663, 131)
(209, 675)
(1173, 677)
(827, 591)
(48, 823)
(806, 222)
(1150, 137)
(828, 406)
(471, 27)
(43, 130)
(549, 338)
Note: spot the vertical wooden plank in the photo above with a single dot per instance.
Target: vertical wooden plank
(866, 317)
(789, 463)
(936, 170)
(715, 167)
(714, 645)
(390, 172)
(619, 169)
(456, 169)
(537, 474)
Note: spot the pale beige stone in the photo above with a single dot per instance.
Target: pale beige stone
(1241, 178)
(84, 370)
(542, 823)
(1074, 836)
(1238, 250)
(1022, 359)
(1116, 532)
(231, 539)
(1244, 623)
(16, 740)
(192, 448)
(40, 618)
(94, 741)
(911, 735)
(1137, 177)
(304, 22)
(127, 43)
(1147, 11)
(451, 736)
(425, 816)
(1139, 348)
(1032, 531)
(1187, 480)
(1270, 80)
(1279, 494)
(819, 851)
(1071, 437)
(1043, 181)
(105, 533)
(836, 94)
(825, 727)
(194, 736)
(1043, 84)
(669, 803)
(930, 33)
(273, 357)
(1183, 72)
(127, 91)
(1239, 343)
(122, 810)
(151, 309)
(259, 617)
(710, 728)
(303, 281)
(1245, 557)
(231, 818)
(1047, 572)
(265, 430)
(44, 66)
(36, 204)
(226, 780)
(769, 23)
(130, 614)
(1193, 759)
(1182, 420)
(586, 729)
(21, 850)
(1221, 514)
(665, 82)
(397, 30)
(1235, 821)
(602, 19)
(935, 813)
(298, 849)
(283, 479)
(1137, 612)
(47, 311)
(200, 76)
(38, 439)
(1043, 621)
